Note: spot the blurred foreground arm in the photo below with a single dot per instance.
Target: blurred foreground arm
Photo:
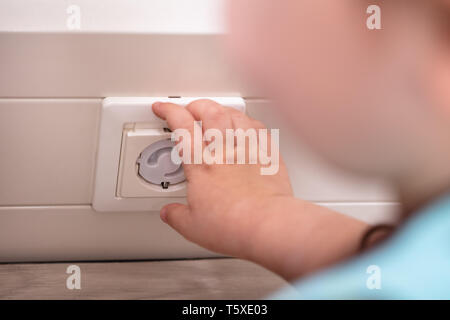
(234, 210)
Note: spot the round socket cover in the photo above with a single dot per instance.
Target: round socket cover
(156, 165)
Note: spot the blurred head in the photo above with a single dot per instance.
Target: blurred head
(371, 101)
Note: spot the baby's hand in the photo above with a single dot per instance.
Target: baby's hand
(234, 210)
(226, 202)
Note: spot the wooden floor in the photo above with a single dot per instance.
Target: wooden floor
(177, 279)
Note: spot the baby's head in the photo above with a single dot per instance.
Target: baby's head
(371, 101)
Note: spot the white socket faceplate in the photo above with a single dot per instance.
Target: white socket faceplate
(130, 184)
(118, 114)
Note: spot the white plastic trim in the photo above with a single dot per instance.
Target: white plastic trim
(116, 112)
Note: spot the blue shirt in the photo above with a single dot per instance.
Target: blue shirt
(413, 264)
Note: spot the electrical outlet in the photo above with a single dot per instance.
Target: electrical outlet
(146, 169)
(134, 170)
(155, 165)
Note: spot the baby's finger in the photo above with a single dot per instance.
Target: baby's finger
(212, 114)
(243, 121)
(176, 116)
(177, 216)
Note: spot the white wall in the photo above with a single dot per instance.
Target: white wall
(51, 86)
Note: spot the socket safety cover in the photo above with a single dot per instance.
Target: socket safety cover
(122, 118)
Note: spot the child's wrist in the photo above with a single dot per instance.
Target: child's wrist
(258, 211)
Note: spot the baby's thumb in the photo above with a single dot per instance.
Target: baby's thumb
(176, 215)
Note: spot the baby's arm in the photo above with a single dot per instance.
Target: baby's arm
(234, 210)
